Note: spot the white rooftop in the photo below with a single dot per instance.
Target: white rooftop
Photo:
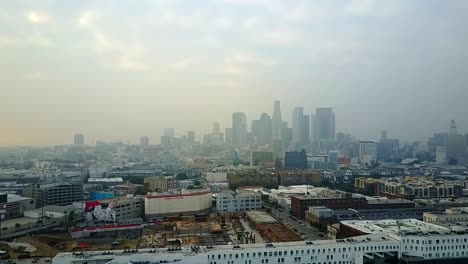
(397, 227)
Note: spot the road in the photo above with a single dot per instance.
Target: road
(302, 227)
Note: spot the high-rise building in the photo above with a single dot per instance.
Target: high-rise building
(324, 128)
(367, 152)
(239, 129)
(216, 137)
(306, 130)
(167, 142)
(455, 144)
(440, 155)
(216, 129)
(298, 127)
(276, 121)
(383, 135)
(78, 139)
(144, 141)
(169, 132)
(287, 136)
(191, 137)
(262, 130)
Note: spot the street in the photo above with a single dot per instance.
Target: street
(311, 233)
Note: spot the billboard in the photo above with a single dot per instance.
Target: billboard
(98, 212)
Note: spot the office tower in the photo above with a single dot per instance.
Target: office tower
(228, 135)
(298, 127)
(385, 150)
(453, 128)
(367, 152)
(333, 156)
(306, 130)
(287, 136)
(167, 141)
(276, 121)
(440, 155)
(169, 132)
(325, 124)
(216, 137)
(191, 137)
(324, 128)
(78, 139)
(216, 128)
(262, 130)
(455, 144)
(383, 135)
(144, 141)
(239, 129)
(295, 160)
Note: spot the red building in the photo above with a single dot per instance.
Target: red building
(301, 203)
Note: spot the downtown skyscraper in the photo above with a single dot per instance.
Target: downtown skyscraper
(324, 128)
(239, 129)
(277, 123)
(298, 127)
(262, 130)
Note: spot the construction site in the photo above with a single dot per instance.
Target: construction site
(253, 227)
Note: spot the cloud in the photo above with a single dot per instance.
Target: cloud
(132, 64)
(359, 7)
(184, 63)
(35, 17)
(87, 18)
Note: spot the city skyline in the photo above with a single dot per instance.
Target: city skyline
(118, 71)
(155, 138)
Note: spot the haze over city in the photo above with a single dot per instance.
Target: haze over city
(118, 70)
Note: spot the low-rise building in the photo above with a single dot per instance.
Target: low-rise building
(57, 193)
(159, 184)
(341, 200)
(411, 187)
(238, 201)
(14, 205)
(320, 216)
(181, 202)
(449, 215)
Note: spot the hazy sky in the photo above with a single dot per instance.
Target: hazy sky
(116, 70)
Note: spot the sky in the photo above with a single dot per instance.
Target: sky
(117, 70)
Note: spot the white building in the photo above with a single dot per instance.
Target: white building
(181, 202)
(367, 152)
(410, 240)
(440, 155)
(239, 201)
(216, 176)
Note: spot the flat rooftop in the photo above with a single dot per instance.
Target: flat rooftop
(260, 217)
(150, 254)
(398, 227)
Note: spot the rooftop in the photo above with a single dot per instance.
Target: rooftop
(150, 255)
(260, 217)
(396, 227)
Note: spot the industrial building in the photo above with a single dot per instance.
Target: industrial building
(14, 205)
(182, 202)
(59, 193)
(238, 201)
(301, 203)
